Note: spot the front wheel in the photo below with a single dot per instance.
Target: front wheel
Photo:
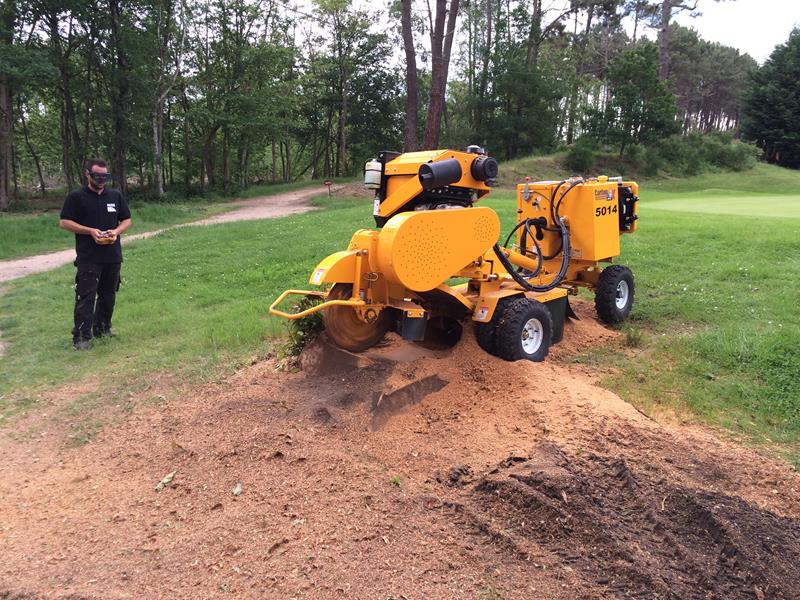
(613, 297)
(524, 331)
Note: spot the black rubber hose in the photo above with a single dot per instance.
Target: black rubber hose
(525, 232)
(539, 288)
(555, 217)
(564, 195)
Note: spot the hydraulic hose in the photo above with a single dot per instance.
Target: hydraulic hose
(507, 264)
(523, 243)
(564, 251)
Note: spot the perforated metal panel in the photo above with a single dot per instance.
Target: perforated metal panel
(423, 249)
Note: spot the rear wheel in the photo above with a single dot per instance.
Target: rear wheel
(613, 297)
(524, 331)
(346, 329)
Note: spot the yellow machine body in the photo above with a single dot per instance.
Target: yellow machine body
(592, 210)
(402, 178)
(431, 233)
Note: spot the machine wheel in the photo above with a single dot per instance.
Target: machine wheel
(486, 333)
(524, 331)
(613, 297)
(345, 329)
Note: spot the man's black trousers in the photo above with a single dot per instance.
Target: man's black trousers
(96, 288)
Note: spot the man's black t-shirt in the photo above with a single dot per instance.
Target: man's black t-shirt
(99, 211)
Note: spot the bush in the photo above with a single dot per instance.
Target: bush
(580, 158)
(302, 331)
(696, 153)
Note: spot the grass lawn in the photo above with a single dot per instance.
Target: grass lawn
(716, 323)
(26, 234)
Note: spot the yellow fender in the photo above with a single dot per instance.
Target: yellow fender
(339, 267)
(487, 303)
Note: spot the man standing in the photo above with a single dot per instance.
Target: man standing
(97, 216)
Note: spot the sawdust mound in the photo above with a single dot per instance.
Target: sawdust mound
(636, 533)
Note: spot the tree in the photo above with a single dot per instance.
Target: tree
(8, 12)
(641, 109)
(441, 46)
(666, 9)
(772, 105)
(412, 87)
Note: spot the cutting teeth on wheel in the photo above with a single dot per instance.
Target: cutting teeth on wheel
(346, 329)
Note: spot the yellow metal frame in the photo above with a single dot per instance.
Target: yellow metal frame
(273, 310)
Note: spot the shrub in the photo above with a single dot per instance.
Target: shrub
(696, 153)
(302, 331)
(580, 158)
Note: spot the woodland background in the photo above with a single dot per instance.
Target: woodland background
(183, 98)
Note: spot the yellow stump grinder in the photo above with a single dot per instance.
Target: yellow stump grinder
(436, 261)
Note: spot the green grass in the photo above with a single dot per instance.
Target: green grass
(761, 179)
(727, 202)
(193, 302)
(716, 310)
(715, 331)
(27, 234)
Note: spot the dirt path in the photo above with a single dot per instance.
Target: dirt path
(266, 207)
(450, 475)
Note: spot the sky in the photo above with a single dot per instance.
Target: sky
(752, 26)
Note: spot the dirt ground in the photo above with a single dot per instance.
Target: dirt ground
(407, 474)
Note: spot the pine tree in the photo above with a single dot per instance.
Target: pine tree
(772, 105)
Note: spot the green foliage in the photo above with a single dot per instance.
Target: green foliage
(772, 106)
(695, 153)
(641, 109)
(302, 332)
(580, 158)
(709, 80)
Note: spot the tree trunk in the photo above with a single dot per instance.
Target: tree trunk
(119, 97)
(226, 159)
(208, 155)
(441, 44)
(6, 142)
(274, 162)
(31, 150)
(412, 87)
(169, 146)
(663, 39)
(484, 80)
(448, 43)
(158, 177)
(187, 151)
(435, 103)
(341, 134)
(534, 36)
(7, 23)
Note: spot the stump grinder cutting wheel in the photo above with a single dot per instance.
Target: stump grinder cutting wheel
(430, 232)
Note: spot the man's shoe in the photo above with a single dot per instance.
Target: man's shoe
(110, 332)
(82, 344)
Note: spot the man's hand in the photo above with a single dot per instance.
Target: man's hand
(97, 235)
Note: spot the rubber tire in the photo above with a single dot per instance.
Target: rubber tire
(345, 329)
(485, 333)
(605, 294)
(511, 325)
